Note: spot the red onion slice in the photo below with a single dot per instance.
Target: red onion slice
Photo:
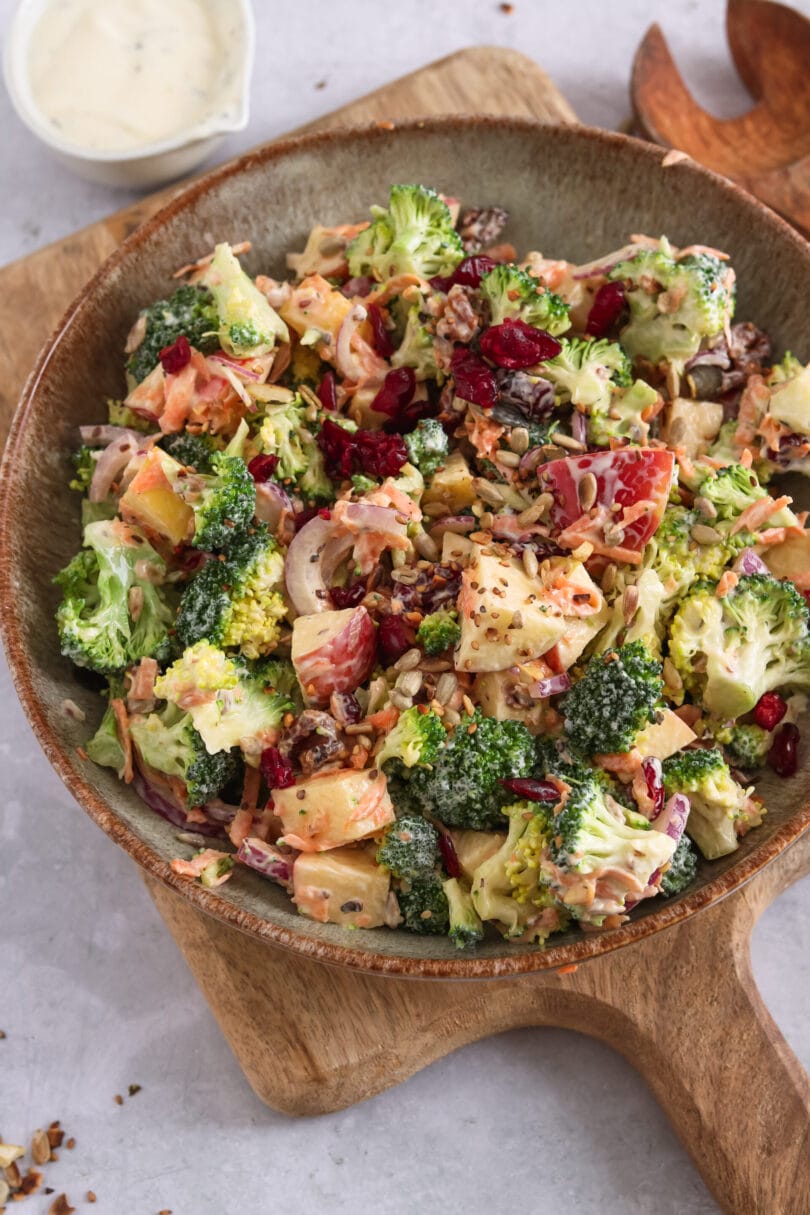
(579, 427)
(111, 463)
(168, 808)
(654, 776)
(238, 368)
(274, 863)
(103, 434)
(750, 562)
(672, 819)
(543, 688)
(273, 507)
(319, 547)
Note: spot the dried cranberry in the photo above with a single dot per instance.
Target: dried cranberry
(357, 286)
(396, 392)
(303, 516)
(261, 468)
(470, 272)
(784, 753)
(409, 418)
(382, 338)
(653, 775)
(441, 282)
(514, 344)
(393, 639)
(474, 381)
(347, 596)
(806, 597)
(327, 392)
(380, 454)
(175, 357)
(276, 770)
(769, 710)
(533, 790)
(368, 451)
(605, 309)
(450, 859)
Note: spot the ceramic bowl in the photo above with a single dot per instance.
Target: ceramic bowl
(571, 192)
(151, 164)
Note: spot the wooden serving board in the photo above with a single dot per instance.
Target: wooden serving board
(735, 1093)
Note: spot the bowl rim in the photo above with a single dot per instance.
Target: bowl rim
(210, 901)
(16, 78)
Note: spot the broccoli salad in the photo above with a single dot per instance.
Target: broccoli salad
(449, 588)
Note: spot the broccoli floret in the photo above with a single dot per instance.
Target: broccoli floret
(215, 870)
(789, 382)
(428, 446)
(410, 847)
(731, 490)
(585, 370)
(466, 928)
(625, 416)
(438, 631)
(602, 855)
(168, 742)
(416, 347)
(363, 484)
(416, 740)
(462, 788)
(119, 414)
(731, 650)
(509, 887)
(237, 603)
(228, 700)
(223, 501)
(674, 303)
(423, 904)
(112, 610)
(190, 312)
(279, 676)
(512, 292)
(104, 748)
(721, 810)
(682, 869)
(247, 326)
(193, 451)
(748, 745)
(414, 236)
(613, 700)
(84, 465)
(679, 560)
(286, 433)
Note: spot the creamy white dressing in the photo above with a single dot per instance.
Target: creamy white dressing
(116, 75)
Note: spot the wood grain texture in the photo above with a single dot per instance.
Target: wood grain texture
(682, 1007)
(767, 149)
(312, 1038)
(481, 80)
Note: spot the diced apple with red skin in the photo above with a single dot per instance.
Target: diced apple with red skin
(333, 808)
(151, 502)
(333, 652)
(623, 477)
(343, 886)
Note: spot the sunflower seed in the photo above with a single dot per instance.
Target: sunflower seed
(609, 577)
(569, 442)
(446, 686)
(530, 564)
(510, 459)
(409, 683)
(399, 700)
(629, 603)
(706, 508)
(671, 677)
(519, 440)
(587, 491)
(435, 510)
(409, 660)
(490, 493)
(426, 546)
(40, 1147)
(451, 717)
(703, 534)
(536, 511)
(486, 520)
(406, 576)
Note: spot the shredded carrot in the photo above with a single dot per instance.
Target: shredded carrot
(567, 970)
(755, 515)
(195, 866)
(122, 722)
(746, 459)
(250, 788)
(620, 762)
(727, 583)
(384, 719)
(241, 826)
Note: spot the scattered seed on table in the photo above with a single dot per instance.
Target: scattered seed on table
(118, 1099)
(133, 1089)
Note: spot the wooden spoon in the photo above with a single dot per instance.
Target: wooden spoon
(767, 149)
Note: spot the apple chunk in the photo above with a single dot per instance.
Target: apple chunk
(151, 502)
(344, 886)
(334, 808)
(333, 652)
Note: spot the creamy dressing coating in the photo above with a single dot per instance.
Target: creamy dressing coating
(114, 75)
